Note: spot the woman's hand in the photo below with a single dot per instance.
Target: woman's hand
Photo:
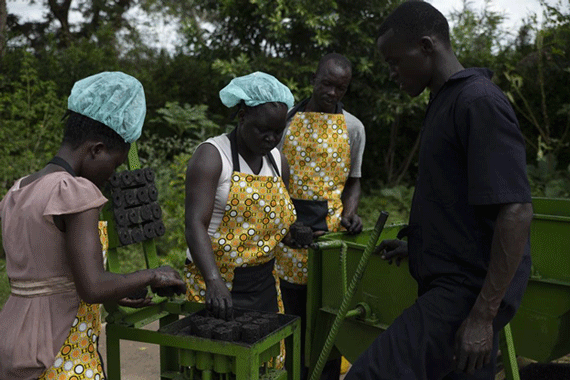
(292, 243)
(135, 303)
(219, 299)
(166, 282)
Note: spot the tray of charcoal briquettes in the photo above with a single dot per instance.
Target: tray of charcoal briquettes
(246, 327)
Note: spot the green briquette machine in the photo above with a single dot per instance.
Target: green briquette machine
(353, 297)
(182, 357)
(345, 321)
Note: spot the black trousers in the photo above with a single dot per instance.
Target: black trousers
(295, 302)
(419, 345)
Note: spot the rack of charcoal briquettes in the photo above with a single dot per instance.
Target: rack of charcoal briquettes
(138, 215)
(214, 346)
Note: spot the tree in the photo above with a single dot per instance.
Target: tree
(3, 27)
(287, 39)
(538, 89)
(96, 14)
(479, 38)
(31, 115)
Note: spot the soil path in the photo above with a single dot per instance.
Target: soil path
(139, 361)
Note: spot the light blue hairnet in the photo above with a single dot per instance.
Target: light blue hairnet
(112, 98)
(255, 89)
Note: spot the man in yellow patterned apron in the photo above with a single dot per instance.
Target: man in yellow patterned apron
(324, 145)
(237, 206)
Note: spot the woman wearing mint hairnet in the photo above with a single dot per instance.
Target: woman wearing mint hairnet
(237, 205)
(50, 324)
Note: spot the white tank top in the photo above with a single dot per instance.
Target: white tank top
(222, 143)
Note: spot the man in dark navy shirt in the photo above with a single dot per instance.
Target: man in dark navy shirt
(468, 234)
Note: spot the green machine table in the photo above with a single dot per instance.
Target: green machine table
(185, 356)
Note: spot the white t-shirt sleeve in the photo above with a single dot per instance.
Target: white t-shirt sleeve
(357, 137)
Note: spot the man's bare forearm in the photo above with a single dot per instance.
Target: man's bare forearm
(512, 229)
(350, 196)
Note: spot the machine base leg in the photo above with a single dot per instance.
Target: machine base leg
(508, 352)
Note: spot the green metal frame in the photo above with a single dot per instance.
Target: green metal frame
(369, 314)
(178, 353)
(542, 324)
(208, 356)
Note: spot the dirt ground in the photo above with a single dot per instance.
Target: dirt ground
(140, 361)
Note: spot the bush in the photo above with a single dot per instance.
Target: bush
(396, 201)
(168, 157)
(545, 182)
(31, 122)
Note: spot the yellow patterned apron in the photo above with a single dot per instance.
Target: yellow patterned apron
(257, 216)
(79, 357)
(318, 150)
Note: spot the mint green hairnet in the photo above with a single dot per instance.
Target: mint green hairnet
(255, 89)
(112, 98)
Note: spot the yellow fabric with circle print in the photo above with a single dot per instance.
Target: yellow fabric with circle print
(317, 148)
(79, 357)
(257, 216)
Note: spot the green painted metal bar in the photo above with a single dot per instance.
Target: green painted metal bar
(348, 296)
(246, 356)
(343, 274)
(353, 313)
(314, 301)
(151, 257)
(168, 355)
(554, 218)
(149, 246)
(133, 157)
(507, 347)
(113, 356)
(293, 356)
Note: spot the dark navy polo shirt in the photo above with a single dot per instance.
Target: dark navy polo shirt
(472, 159)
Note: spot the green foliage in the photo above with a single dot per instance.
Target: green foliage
(537, 88)
(171, 190)
(478, 38)
(31, 113)
(545, 182)
(168, 156)
(188, 121)
(287, 39)
(397, 201)
(81, 58)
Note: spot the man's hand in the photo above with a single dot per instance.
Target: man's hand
(352, 223)
(474, 339)
(219, 299)
(392, 250)
(473, 344)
